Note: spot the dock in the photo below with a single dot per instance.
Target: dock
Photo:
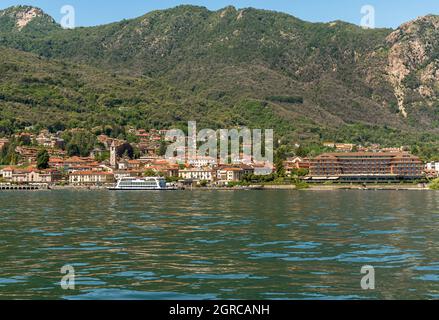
(24, 187)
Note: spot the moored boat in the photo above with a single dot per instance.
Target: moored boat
(144, 183)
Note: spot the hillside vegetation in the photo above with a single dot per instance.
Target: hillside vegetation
(309, 81)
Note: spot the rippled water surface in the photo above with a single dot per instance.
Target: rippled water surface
(219, 244)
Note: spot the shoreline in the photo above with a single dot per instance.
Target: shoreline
(370, 188)
(378, 187)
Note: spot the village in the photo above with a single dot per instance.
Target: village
(113, 159)
(96, 169)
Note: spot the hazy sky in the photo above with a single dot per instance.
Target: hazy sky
(388, 13)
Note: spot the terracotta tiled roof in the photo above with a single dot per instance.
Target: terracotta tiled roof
(94, 173)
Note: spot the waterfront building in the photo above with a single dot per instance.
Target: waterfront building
(197, 174)
(171, 170)
(226, 174)
(31, 175)
(91, 178)
(6, 173)
(431, 174)
(296, 163)
(262, 168)
(366, 166)
(232, 174)
(432, 166)
(432, 169)
(229, 174)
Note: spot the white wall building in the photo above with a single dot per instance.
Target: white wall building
(90, 177)
(432, 169)
(432, 166)
(201, 161)
(30, 175)
(197, 174)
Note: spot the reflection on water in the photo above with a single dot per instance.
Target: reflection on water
(219, 244)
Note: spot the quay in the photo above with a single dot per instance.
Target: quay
(17, 187)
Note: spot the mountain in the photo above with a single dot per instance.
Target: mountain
(26, 19)
(310, 81)
(413, 65)
(41, 92)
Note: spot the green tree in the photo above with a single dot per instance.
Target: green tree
(434, 184)
(125, 150)
(203, 183)
(81, 142)
(8, 155)
(301, 151)
(150, 173)
(73, 150)
(162, 149)
(25, 140)
(43, 159)
(280, 169)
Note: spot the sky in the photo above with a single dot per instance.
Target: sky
(388, 13)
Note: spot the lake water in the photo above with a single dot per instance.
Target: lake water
(219, 244)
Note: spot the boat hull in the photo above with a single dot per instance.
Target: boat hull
(141, 184)
(140, 189)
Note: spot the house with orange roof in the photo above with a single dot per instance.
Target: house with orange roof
(232, 173)
(55, 162)
(263, 168)
(228, 174)
(129, 164)
(168, 171)
(49, 140)
(87, 167)
(91, 178)
(33, 175)
(344, 147)
(28, 154)
(366, 166)
(78, 161)
(295, 163)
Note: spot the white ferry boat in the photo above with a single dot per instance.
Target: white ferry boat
(147, 183)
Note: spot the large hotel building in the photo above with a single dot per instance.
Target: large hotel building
(366, 166)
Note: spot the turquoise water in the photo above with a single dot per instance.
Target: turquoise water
(219, 244)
